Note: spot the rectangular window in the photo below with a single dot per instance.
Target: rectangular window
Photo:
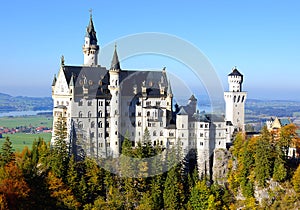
(89, 103)
(201, 143)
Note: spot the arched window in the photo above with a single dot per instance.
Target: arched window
(161, 133)
(154, 133)
(148, 114)
(89, 114)
(80, 125)
(243, 99)
(238, 100)
(234, 99)
(80, 114)
(139, 123)
(100, 125)
(100, 114)
(92, 124)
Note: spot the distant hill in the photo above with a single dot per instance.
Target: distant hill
(10, 103)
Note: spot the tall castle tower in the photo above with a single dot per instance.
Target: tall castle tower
(235, 100)
(90, 48)
(115, 104)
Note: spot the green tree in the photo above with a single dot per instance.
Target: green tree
(296, 180)
(279, 171)
(7, 154)
(200, 195)
(60, 157)
(263, 162)
(173, 190)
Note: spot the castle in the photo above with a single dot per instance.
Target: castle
(100, 105)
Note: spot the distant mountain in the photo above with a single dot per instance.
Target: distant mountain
(10, 103)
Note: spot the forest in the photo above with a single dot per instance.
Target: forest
(45, 177)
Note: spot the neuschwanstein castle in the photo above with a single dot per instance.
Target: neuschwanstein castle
(100, 105)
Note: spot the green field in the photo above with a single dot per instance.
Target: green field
(20, 140)
(33, 120)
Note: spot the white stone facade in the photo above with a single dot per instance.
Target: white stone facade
(102, 105)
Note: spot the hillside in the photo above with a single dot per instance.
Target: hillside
(10, 103)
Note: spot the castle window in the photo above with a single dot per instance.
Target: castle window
(80, 125)
(182, 135)
(171, 134)
(100, 114)
(154, 133)
(148, 114)
(92, 124)
(116, 143)
(89, 114)
(101, 144)
(201, 134)
(206, 125)
(243, 99)
(148, 103)
(92, 135)
(154, 143)
(139, 114)
(201, 125)
(89, 103)
(139, 133)
(139, 124)
(157, 103)
(238, 100)
(80, 103)
(161, 124)
(80, 114)
(161, 142)
(149, 124)
(100, 125)
(182, 125)
(100, 103)
(219, 143)
(161, 133)
(116, 122)
(201, 143)
(116, 133)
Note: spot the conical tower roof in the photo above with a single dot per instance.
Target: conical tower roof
(90, 31)
(115, 63)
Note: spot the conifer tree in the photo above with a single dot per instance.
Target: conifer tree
(262, 158)
(60, 157)
(7, 154)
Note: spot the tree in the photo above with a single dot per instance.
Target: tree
(7, 154)
(173, 192)
(279, 171)
(62, 193)
(287, 135)
(60, 157)
(13, 187)
(200, 196)
(296, 180)
(262, 158)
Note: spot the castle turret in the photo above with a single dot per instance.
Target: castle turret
(115, 106)
(90, 48)
(235, 100)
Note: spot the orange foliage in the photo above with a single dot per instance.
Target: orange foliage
(13, 187)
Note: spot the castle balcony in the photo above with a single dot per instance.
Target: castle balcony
(152, 119)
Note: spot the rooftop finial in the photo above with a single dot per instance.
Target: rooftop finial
(62, 60)
(234, 68)
(91, 12)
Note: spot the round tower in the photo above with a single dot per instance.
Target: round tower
(90, 48)
(235, 100)
(115, 105)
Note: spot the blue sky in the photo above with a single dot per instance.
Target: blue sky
(261, 38)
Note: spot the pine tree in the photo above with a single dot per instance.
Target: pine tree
(279, 171)
(7, 154)
(173, 190)
(262, 158)
(60, 157)
(296, 180)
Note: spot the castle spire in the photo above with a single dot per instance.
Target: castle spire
(90, 31)
(115, 63)
(169, 91)
(90, 48)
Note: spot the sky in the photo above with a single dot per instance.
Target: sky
(261, 38)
